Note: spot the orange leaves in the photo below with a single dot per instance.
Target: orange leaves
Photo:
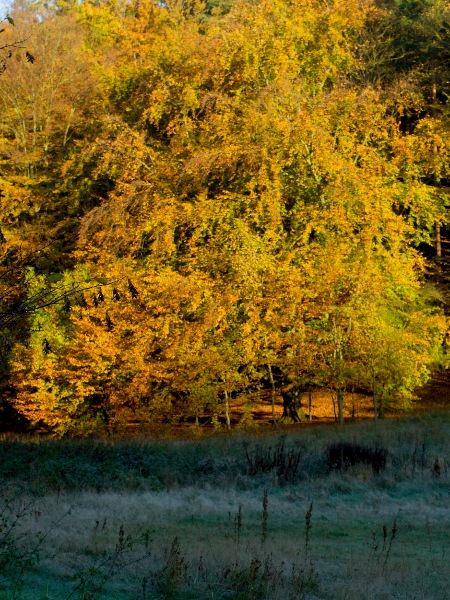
(262, 203)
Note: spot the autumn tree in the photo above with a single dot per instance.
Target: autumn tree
(262, 206)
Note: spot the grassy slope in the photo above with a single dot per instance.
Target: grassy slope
(178, 503)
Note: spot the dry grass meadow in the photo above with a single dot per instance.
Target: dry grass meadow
(234, 517)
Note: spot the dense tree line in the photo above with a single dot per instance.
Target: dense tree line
(262, 186)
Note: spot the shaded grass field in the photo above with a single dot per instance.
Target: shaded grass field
(229, 517)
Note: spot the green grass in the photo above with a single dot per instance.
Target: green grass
(158, 519)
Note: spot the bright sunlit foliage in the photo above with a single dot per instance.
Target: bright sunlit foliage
(260, 183)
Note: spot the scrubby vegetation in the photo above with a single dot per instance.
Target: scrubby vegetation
(236, 517)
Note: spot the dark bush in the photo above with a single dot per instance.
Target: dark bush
(265, 459)
(342, 455)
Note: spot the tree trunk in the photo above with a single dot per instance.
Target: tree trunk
(375, 407)
(310, 405)
(382, 404)
(289, 407)
(374, 391)
(437, 225)
(334, 405)
(353, 402)
(338, 364)
(272, 383)
(340, 402)
(227, 411)
(438, 241)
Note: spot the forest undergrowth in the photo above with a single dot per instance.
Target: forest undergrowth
(326, 512)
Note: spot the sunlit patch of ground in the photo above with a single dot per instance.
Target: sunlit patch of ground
(323, 407)
(435, 396)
